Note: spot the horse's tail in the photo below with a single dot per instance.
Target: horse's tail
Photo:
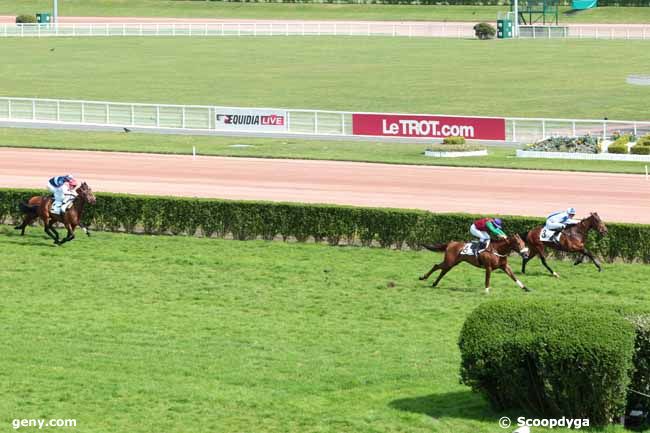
(436, 247)
(27, 209)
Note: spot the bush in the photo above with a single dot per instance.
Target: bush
(641, 378)
(455, 148)
(550, 358)
(25, 19)
(453, 140)
(639, 149)
(484, 31)
(584, 144)
(643, 141)
(619, 145)
(250, 220)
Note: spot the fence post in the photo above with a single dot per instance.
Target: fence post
(342, 123)
(83, 112)
(604, 129)
(238, 29)
(254, 29)
(132, 114)
(514, 130)
(206, 28)
(394, 30)
(123, 29)
(635, 129)
(33, 109)
(183, 118)
(289, 121)
(543, 129)
(315, 122)
(574, 128)
(58, 111)
(303, 28)
(286, 29)
(9, 108)
(108, 114)
(158, 115)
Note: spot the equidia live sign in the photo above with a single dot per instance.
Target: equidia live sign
(423, 126)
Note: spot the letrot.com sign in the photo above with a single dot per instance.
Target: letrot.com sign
(420, 126)
(234, 119)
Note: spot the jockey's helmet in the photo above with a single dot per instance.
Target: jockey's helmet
(571, 211)
(498, 222)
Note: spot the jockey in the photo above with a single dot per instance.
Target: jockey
(60, 186)
(482, 229)
(557, 221)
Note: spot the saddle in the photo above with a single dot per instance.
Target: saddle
(473, 248)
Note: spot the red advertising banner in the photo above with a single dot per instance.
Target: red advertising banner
(420, 126)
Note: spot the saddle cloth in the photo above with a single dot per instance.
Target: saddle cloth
(545, 235)
(65, 206)
(469, 249)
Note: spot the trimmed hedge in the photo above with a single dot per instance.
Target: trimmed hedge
(554, 359)
(251, 220)
(25, 19)
(601, 3)
(453, 140)
(619, 145)
(484, 31)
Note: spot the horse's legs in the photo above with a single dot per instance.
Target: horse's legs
(51, 232)
(70, 235)
(488, 272)
(442, 274)
(85, 229)
(593, 259)
(579, 260)
(508, 270)
(543, 259)
(524, 262)
(428, 274)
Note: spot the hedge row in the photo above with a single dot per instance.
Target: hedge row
(550, 358)
(335, 224)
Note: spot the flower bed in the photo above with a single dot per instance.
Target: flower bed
(455, 151)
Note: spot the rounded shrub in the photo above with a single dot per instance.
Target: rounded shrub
(25, 19)
(620, 144)
(639, 149)
(454, 139)
(550, 358)
(484, 31)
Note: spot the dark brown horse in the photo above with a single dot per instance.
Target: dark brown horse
(30, 217)
(70, 219)
(495, 256)
(572, 241)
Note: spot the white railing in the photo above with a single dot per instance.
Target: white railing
(306, 28)
(236, 28)
(299, 122)
(638, 32)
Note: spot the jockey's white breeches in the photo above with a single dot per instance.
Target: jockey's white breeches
(484, 236)
(57, 192)
(550, 225)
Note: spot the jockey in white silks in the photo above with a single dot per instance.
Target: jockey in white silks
(60, 187)
(557, 221)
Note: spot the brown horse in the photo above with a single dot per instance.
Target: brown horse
(29, 217)
(495, 256)
(572, 241)
(70, 219)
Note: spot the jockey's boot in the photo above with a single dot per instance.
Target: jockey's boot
(56, 208)
(556, 237)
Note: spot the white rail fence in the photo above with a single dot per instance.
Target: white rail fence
(451, 30)
(237, 28)
(298, 122)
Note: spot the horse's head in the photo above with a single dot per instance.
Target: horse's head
(86, 193)
(517, 243)
(598, 224)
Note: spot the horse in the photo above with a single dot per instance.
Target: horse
(70, 218)
(29, 218)
(572, 241)
(495, 256)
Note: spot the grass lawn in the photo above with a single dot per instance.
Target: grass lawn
(526, 78)
(217, 9)
(175, 334)
(393, 153)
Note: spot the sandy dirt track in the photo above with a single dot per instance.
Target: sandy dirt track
(616, 197)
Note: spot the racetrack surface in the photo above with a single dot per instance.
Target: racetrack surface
(616, 197)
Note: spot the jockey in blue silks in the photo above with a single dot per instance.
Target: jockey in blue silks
(60, 186)
(557, 221)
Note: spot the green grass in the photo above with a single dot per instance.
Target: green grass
(215, 9)
(174, 334)
(559, 79)
(393, 153)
